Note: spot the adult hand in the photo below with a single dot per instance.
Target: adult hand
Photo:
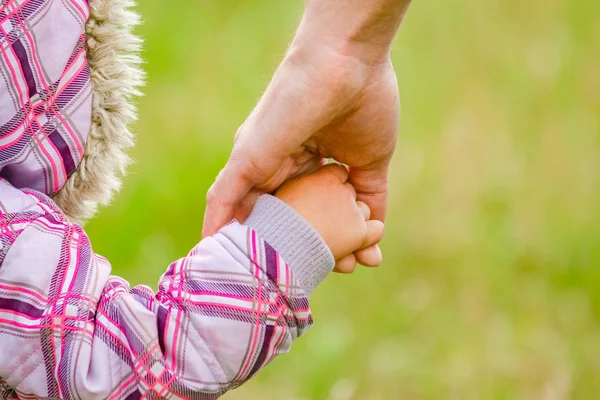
(331, 97)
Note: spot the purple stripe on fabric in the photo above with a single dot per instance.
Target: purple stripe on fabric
(20, 307)
(136, 395)
(63, 149)
(221, 288)
(31, 7)
(271, 260)
(25, 67)
(269, 329)
(84, 260)
(161, 321)
(298, 303)
(7, 155)
(77, 83)
(73, 89)
(101, 333)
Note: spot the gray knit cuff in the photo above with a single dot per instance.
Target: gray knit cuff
(295, 239)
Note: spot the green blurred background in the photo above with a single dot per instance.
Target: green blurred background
(491, 283)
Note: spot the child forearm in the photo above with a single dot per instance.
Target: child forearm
(70, 330)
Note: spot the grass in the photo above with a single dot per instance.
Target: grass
(491, 283)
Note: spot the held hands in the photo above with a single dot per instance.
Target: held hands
(334, 95)
(320, 104)
(327, 201)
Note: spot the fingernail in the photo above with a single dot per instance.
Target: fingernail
(379, 254)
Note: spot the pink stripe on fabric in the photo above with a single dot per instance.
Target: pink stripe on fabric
(50, 101)
(179, 265)
(67, 85)
(13, 74)
(125, 385)
(42, 77)
(19, 314)
(256, 329)
(10, 322)
(23, 290)
(81, 10)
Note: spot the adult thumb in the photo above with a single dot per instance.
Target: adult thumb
(371, 184)
(228, 190)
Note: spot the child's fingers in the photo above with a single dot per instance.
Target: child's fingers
(351, 190)
(364, 209)
(246, 206)
(335, 169)
(346, 265)
(369, 257)
(374, 234)
(369, 254)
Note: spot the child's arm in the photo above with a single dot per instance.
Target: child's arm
(69, 330)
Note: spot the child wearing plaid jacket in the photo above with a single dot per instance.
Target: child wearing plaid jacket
(68, 329)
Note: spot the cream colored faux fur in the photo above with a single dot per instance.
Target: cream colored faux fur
(114, 61)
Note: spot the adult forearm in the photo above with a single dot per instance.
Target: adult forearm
(359, 28)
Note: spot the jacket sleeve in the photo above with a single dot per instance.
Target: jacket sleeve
(70, 330)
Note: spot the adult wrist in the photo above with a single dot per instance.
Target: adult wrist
(352, 28)
(315, 38)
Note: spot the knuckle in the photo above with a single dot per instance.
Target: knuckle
(331, 181)
(211, 195)
(252, 169)
(246, 164)
(238, 134)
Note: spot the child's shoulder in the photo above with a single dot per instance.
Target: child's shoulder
(16, 200)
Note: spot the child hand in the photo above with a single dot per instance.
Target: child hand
(328, 202)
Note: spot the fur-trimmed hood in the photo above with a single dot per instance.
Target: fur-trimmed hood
(66, 99)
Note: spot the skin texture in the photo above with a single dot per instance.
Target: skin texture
(328, 202)
(334, 95)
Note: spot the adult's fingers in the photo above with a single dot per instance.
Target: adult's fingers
(346, 265)
(371, 184)
(224, 195)
(309, 167)
(245, 207)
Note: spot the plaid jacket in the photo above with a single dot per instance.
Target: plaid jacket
(45, 92)
(68, 329)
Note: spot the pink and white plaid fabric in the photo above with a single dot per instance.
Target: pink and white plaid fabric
(45, 91)
(69, 330)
